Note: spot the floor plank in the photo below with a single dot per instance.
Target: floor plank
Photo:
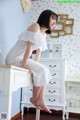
(43, 116)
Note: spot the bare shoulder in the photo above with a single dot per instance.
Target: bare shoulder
(34, 27)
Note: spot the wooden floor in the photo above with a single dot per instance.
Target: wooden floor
(30, 115)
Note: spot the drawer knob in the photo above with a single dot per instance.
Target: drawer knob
(54, 74)
(51, 100)
(52, 83)
(30, 89)
(52, 91)
(52, 66)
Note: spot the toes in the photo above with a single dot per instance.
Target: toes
(40, 106)
(34, 103)
(44, 107)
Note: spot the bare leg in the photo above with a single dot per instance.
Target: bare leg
(40, 101)
(38, 98)
(36, 92)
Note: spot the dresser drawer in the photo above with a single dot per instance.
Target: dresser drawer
(27, 97)
(21, 78)
(53, 91)
(49, 100)
(73, 104)
(55, 82)
(55, 74)
(52, 65)
(52, 100)
(27, 89)
(74, 90)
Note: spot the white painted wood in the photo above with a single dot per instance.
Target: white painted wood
(72, 95)
(55, 91)
(37, 114)
(12, 78)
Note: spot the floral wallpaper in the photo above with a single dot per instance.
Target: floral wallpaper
(70, 43)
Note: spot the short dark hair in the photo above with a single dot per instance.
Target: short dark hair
(44, 18)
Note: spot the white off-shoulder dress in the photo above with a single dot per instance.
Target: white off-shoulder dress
(41, 74)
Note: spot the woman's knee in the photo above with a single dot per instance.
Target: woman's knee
(43, 69)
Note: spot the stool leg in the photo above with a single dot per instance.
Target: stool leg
(22, 109)
(37, 114)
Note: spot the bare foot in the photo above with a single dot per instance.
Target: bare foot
(43, 106)
(34, 103)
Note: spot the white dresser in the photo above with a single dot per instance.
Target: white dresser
(12, 78)
(72, 95)
(55, 91)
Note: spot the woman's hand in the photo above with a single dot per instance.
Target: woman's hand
(27, 67)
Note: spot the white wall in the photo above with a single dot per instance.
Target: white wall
(70, 43)
(12, 22)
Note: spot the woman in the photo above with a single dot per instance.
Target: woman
(32, 39)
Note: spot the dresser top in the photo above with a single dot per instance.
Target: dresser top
(13, 67)
(73, 79)
(51, 59)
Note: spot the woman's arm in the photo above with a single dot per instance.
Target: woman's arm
(33, 28)
(37, 55)
(27, 54)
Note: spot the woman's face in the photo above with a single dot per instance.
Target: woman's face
(52, 22)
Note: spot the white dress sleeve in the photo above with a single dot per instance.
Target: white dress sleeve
(39, 42)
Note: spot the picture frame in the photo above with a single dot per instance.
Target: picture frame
(64, 26)
(62, 33)
(63, 21)
(68, 29)
(59, 17)
(54, 34)
(59, 26)
(69, 21)
(64, 16)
